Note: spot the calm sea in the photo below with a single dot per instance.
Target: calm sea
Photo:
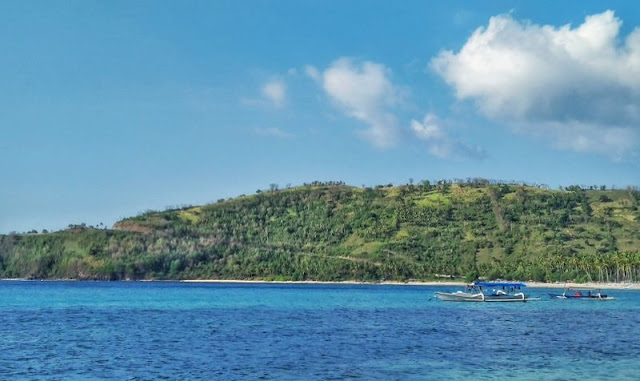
(139, 331)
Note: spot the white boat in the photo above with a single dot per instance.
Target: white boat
(487, 292)
(459, 296)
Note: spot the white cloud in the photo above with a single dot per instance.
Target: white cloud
(616, 142)
(439, 142)
(312, 72)
(275, 92)
(578, 87)
(272, 132)
(428, 129)
(364, 92)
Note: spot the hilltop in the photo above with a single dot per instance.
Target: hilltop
(331, 231)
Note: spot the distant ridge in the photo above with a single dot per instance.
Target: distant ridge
(330, 231)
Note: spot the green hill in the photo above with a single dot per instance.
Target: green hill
(329, 231)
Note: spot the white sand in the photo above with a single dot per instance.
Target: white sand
(618, 286)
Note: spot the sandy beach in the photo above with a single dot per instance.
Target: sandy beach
(560, 285)
(616, 286)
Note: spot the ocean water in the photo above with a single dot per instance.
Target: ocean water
(145, 331)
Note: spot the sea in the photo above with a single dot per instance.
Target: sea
(238, 331)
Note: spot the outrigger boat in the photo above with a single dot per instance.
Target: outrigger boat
(487, 292)
(582, 293)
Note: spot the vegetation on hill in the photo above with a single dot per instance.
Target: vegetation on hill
(331, 232)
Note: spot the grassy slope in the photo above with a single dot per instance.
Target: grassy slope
(339, 232)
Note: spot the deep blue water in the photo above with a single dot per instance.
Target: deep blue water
(138, 331)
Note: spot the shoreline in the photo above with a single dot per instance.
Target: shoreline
(635, 286)
(610, 285)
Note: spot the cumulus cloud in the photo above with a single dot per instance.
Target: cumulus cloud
(364, 92)
(577, 86)
(439, 142)
(275, 92)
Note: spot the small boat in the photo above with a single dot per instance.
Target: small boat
(582, 293)
(487, 292)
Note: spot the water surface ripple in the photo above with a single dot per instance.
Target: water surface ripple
(140, 331)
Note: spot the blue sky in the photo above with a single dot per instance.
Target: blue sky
(111, 108)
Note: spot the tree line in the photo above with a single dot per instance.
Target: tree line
(332, 231)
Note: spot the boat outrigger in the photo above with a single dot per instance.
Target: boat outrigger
(582, 293)
(487, 292)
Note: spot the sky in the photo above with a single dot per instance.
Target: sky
(111, 108)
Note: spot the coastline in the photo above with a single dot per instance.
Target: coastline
(610, 285)
(635, 286)
(603, 285)
(346, 282)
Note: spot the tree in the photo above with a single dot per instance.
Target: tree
(471, 276)
(604, 198)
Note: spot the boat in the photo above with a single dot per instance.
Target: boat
(582, 293)
(487, 292)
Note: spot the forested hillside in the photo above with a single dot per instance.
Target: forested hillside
(329, 231)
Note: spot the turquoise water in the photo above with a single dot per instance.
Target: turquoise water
(139, 331)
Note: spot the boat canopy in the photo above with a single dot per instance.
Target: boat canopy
(499, 284)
